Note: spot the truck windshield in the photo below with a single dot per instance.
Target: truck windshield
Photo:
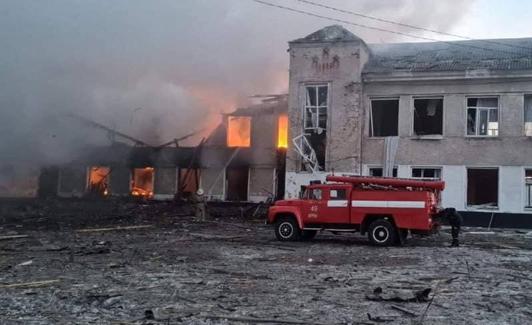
(315, 194)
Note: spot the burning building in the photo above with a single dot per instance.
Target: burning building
(243, 159)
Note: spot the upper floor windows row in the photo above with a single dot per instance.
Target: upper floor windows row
(481, 116)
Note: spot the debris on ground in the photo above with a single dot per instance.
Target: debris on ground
(232, 270)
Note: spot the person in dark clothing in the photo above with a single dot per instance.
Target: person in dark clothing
(455, 221)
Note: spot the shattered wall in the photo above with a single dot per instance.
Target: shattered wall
(338, 65)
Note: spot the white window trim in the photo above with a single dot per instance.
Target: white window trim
(413, 110)
(477, 108)
(370, 167)
(523, 178)
(440, 168)
(472, 208)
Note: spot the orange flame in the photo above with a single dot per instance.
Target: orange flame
(143, 182)
(238, 131)
(282, 132)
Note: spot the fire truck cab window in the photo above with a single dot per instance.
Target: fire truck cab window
(315, 194)
(338, 194)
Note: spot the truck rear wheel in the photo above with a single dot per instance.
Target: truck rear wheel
(287, 229)
(382, 233)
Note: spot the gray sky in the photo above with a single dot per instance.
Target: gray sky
(182, 62)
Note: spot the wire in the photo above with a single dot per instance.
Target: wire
(382, 29)
(410, 26)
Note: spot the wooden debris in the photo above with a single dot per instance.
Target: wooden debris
(34, 284)
(404, 310)
(114, 228)
(13, 237)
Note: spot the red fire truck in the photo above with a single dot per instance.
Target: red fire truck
(384, 208)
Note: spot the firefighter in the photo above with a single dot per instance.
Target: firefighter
(200, 209)
(455, 221)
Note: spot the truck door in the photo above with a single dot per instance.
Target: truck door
(335, 207)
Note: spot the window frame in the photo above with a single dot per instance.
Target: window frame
(525, 190)
(318, 107)
(413, 107)
(395, 169)
(370, 115)
(472, 207)
(477, 109)
(525, 96)
(440, 168)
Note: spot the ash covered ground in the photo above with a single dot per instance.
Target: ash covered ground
(231, 270)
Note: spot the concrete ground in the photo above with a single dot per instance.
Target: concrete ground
(231, 270)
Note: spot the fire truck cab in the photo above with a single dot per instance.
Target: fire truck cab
(385, 209)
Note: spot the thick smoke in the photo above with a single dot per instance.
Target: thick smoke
(153, 69)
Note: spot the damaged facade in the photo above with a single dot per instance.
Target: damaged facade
(242, 160)
(457, 111)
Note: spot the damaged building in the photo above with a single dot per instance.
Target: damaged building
(460, 111)
(243, 159)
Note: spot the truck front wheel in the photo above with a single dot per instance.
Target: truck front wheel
(287, 229)
(382, 233)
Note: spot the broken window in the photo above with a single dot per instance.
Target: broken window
(238, 131)
(528, 115)
(428, 116)
(315, 118)
(312, 144)
(282, 131)
(379, 172)
(483, 116)
(427, 173)
(384, 117)
(142, 183)
(528, 188)
(482, 187)
(99, 180)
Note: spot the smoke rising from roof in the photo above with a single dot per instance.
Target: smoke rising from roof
(153, 69)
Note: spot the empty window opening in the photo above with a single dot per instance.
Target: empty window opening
(99, 180)
(428, 116)
(426, 173)
(483, 116)
(528, 115)
(379, 172)
(142, 182)
(237, 183)
(483, 188)
(282, 131)
(384, 117)
(238, 131)
(528, 188)
(188, 180)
